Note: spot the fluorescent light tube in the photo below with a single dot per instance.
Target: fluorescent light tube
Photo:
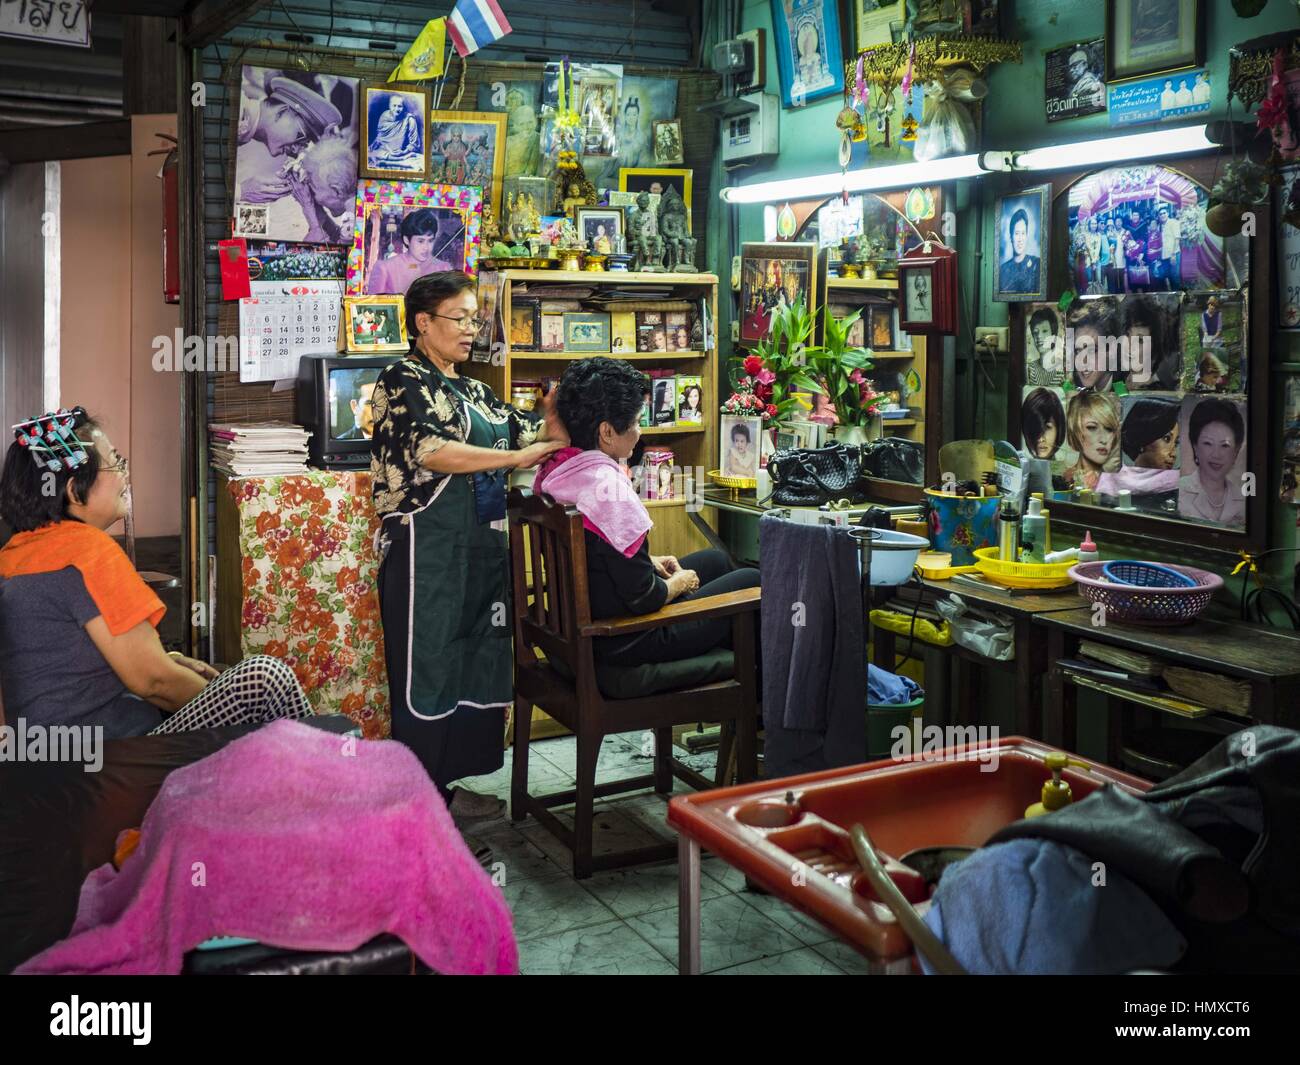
(867, 179)
(1122, 149)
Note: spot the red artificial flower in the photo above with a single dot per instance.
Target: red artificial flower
(771, 411)
(753, 364)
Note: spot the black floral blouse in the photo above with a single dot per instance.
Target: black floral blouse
(416, 411)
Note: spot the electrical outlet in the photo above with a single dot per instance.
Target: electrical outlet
(993, 338)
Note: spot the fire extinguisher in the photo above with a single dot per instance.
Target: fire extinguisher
(170, 176)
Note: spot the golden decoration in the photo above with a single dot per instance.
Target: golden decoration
(1249, 72)
(885, 65)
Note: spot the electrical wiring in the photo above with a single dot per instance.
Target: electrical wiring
(1255, 601)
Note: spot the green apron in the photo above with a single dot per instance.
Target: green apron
(445, 597)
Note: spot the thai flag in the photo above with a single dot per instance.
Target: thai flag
(474, 24)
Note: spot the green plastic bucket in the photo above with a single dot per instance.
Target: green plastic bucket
(883, 718)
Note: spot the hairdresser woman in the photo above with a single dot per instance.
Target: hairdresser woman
(441, 447)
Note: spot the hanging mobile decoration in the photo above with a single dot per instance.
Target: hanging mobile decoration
(567, 119)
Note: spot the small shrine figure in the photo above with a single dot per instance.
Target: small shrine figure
(489, 231)
(568, 235)
(571, 186)
(674, 230)
(644, 240)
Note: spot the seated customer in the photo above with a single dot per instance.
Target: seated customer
(600, 403)
(78, 643)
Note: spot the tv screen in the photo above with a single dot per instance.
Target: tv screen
(351, 415)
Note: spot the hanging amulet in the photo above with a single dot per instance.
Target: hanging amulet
(847, 120)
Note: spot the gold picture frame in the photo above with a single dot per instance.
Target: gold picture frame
(374, 334)
(440, 121)
(416, 98)
(643, 177)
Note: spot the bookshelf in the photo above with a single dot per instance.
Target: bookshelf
(921, 423)
(695, 446)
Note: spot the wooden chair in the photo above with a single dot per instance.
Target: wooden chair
(552, 617)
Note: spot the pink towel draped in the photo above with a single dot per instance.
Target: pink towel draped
(296, 838)
(599, 487)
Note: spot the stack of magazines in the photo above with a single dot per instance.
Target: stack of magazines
(262, 449)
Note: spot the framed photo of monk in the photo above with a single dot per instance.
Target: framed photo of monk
(468, 148)
(394, 128)
(406, 229)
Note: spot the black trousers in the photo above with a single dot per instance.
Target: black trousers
(686, 639)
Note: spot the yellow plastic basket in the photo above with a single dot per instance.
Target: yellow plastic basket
(718, 477)
(1022, 574)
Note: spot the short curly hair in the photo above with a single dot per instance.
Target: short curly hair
(599, 390)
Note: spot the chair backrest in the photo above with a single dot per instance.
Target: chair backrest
(548, 563)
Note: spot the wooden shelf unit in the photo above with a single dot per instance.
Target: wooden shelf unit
(694, 446)
(849, 291)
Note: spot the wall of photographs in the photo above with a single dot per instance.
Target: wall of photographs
(1139, 371)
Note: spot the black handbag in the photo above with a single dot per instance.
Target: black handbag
(809, 477)
(894, 459)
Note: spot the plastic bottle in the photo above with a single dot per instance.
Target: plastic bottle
(1088, 550)
(1008, 533)
(1033, 530)
(1047, 531)
(1066, 554)
(1056, 792)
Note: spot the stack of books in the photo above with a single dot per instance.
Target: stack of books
(262, 449)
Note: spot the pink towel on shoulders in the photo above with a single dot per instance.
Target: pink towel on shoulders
(297, 838)
(599, 487)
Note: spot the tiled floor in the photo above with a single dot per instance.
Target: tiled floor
(625, 922)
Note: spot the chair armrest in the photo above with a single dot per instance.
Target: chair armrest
(714, 606)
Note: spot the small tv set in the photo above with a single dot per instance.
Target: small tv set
(333, 400)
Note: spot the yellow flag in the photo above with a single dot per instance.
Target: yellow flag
(424, 58)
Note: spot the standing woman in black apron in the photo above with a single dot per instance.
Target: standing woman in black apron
(441, 447)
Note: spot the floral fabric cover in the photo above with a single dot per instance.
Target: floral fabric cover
(309, 580)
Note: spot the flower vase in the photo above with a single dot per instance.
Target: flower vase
(859, 434)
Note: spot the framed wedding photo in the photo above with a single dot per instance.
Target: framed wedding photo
(1145, 37)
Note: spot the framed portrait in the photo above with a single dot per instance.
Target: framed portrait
(773, 277)
(374, 324)
(586, 332)
(656, 181)
(552, 332)
(600, 228)
(1023, 245)
(597, 106)
(880, 326)
(927, 286)
(809, 51)
(394, 124)
(468, 148)
(295, 128)
(406, 229)
(740, 446)
(1153, 36)
(525, 325)
(668, 142)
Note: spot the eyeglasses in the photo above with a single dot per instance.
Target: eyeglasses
(473, 324)
(118, 467)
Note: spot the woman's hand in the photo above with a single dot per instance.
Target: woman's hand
(528, 457)
(554, 428)
(665, 565)
(264, 188)
(682, 583)
(207, 672)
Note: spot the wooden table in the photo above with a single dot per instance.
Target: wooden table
(1266, 659)
(1029, 662)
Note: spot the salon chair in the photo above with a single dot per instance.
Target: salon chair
(555, 669)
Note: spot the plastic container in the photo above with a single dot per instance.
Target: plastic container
(1033, 531)
(1044, 575)
(893, 554)
(960, 524)
(1145, 574)
(1146, 606)
(883, 718)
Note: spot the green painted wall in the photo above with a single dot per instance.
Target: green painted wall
(1013, 118)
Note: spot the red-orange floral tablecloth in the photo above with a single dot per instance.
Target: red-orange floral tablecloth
(307, 547)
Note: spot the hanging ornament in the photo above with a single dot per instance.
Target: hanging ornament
(566, 118)
(908, 133)
(906, 85)
(918, 204)
(860, 85)
(786, 223)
